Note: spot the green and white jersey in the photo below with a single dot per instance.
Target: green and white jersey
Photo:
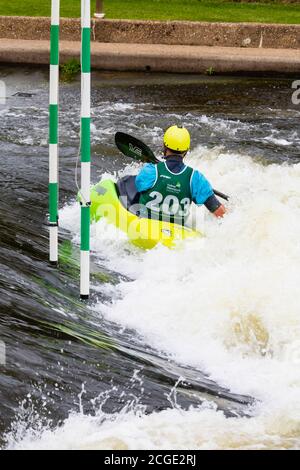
(170, 197)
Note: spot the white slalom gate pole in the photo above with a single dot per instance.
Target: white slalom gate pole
(85, 147)
(53, 131)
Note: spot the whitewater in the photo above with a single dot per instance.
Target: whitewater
(227, 303)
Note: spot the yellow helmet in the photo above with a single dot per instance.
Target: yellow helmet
(177, 138)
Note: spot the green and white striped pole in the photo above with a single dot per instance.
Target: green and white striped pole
(53, 131)
(85, 147)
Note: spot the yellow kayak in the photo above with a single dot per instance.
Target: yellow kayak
(142, 232)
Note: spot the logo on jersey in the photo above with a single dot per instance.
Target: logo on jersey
(166, 177)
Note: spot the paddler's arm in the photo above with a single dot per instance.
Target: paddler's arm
(146, 178)
(215, 207)
(203, 193)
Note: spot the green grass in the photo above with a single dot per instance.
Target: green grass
(69, 70)
(197, 10)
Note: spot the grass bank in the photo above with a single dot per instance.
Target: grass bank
(271, 11)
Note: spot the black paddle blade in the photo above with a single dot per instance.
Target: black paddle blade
(134, 148)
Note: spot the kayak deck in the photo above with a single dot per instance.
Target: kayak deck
(142, 232)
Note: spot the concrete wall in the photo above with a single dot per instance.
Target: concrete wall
(159, 57)
(157, 32)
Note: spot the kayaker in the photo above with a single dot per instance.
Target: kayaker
(167, 189)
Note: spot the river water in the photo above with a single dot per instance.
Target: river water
(194, 348)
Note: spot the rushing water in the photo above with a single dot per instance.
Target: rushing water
(195, 348)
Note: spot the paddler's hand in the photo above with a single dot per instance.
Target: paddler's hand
(220, 212)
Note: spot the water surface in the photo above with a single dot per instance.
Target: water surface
(191, 349)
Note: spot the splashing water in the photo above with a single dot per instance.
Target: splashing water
(226, 304)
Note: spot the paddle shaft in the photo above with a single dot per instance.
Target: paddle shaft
(221, 195)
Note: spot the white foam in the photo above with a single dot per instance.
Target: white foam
(228, 304)
(281, 142)
(203, 428)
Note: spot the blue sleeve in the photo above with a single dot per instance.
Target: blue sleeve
(146, 177)
(201, 188)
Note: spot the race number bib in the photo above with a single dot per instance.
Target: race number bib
(169, 205)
